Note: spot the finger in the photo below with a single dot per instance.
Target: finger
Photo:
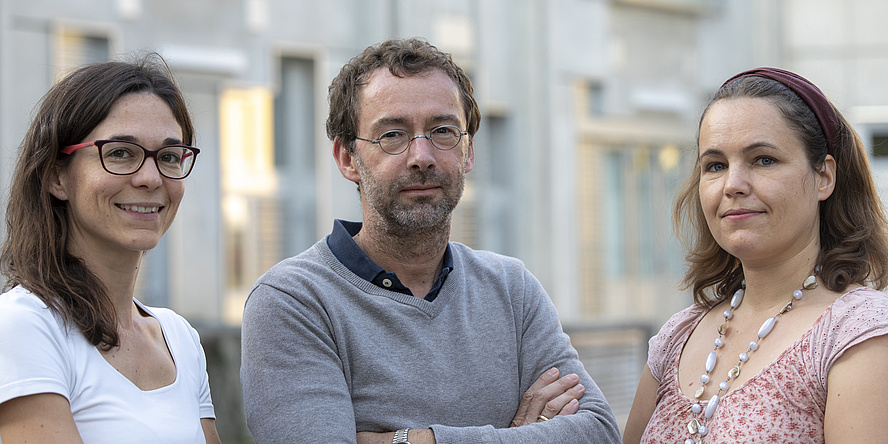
(554, 395)
(532, 397)
(558, 404)
(572, 407)
(548, 377)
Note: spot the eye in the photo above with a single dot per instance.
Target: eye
(119, 151)
(714, 167)
(445, 131)
(392, 134)
(766, 161)
(170, 156)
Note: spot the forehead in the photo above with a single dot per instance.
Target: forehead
(139, 115)
(742, 121)
(413, 99)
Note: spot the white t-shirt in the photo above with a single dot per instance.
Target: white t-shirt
(39, 355)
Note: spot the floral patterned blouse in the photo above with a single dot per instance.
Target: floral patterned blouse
(786, 401)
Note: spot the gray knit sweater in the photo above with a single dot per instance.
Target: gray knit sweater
(327, 354)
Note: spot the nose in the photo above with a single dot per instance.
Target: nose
(148, 175)
(421, 153)
(737, 181)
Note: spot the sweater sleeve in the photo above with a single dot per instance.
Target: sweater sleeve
(543, 345)
(293, 381)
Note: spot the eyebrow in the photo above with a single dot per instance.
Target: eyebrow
(129, 138)
(751, 147)
(440, 119)
(445, 118)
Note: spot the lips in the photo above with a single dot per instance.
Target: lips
(739, 213)
(138, 208)
(421, 187)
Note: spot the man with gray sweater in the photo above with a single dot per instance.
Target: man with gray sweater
(384, 331)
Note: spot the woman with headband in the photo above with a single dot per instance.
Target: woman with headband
(786, 341)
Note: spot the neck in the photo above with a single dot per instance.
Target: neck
(767, 287)
(414, 255)
(118, 273)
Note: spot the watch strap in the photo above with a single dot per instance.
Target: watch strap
(401, 437)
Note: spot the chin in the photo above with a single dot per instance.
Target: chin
(143, 245)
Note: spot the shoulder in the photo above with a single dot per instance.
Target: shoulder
(495, 272)
(37, 351)
(857, 316)
(304, 283)
(861, 312)
(484, 261)
(681, 322)
(167, 317)
(862, 302)
(305, 267)
(175, 327)
(21, 310)
(669, 340)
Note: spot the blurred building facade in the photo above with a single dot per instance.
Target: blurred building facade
(589, 112)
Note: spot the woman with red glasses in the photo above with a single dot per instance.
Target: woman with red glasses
(98, 181)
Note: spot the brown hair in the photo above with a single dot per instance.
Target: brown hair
(853, 238)
(403, 58)
(35, 253)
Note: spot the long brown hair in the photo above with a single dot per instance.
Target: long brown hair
(35, 253)
(853, 238)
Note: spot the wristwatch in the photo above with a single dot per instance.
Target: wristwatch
(401, 437)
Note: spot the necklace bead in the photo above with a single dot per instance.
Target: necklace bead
(738, 298)
(710, 361)
(711, 406)
(766, 327)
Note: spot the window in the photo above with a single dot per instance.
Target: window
(880, 145)
(294, 150)
(74, 47)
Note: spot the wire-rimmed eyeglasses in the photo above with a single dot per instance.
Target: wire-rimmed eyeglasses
(394, 142)
(121, 157)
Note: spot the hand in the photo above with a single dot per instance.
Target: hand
(549, 397)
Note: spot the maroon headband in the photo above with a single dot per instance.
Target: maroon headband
(811, 94)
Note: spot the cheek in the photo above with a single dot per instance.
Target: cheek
(710, 197)
(176, 192)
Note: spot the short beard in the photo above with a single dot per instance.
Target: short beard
(422, 215)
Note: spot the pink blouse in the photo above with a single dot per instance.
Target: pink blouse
(786, 401)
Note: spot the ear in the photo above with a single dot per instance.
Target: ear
(827, 178)
(470, 156)
(345, 161)
(56, 185)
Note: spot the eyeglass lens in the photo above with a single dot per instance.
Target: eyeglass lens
(443, 137)
(119, 157)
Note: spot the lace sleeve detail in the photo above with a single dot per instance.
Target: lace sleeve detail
(858, 315)
(671, 338)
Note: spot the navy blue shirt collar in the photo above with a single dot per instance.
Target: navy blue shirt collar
(345, 249)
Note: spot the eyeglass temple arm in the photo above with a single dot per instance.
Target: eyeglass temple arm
(71, 148)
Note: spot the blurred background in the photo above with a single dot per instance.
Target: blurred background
(589, 114)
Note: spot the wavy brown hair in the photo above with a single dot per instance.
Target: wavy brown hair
(853, 238)
(35, 253)
(403, 58)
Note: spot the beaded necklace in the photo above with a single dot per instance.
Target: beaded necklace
(697, 429)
